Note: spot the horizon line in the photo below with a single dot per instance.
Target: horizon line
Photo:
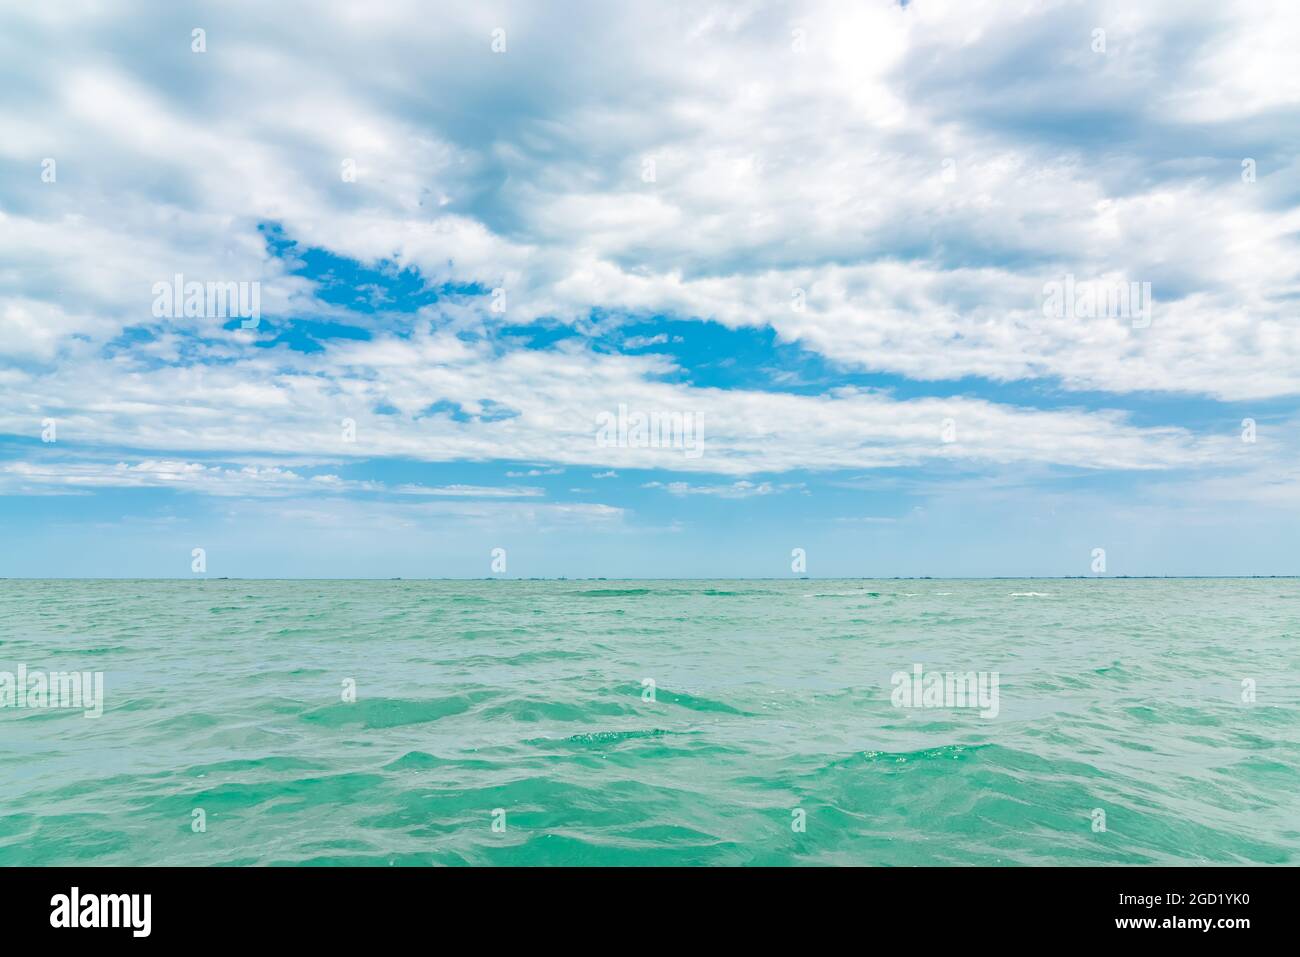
(515, 578)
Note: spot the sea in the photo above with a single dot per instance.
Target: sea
(733, 722)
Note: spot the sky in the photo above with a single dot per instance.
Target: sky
(950, 289)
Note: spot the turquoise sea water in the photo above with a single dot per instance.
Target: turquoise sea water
(1123, 696)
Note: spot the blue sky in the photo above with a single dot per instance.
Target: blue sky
(822, 235)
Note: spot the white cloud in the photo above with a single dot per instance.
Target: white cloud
(276, 401)
(775, 170)
(740, 489)
(71, 477)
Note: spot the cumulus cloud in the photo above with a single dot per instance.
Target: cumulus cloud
(282, 401)
(877, 183)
